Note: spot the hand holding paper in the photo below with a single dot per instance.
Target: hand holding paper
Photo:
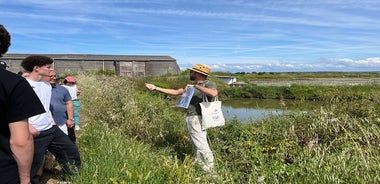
(185, 99)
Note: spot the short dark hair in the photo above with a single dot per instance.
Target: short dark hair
(5, 40)
(35, 60)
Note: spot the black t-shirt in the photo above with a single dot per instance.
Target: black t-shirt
(18, 101)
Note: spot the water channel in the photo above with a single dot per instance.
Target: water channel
(249, 110)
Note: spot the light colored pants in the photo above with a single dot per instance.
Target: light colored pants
(76, 104)
(203, 153)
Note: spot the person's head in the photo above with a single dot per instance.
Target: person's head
(199, 71)
(37, 65)
(58, 78)
(23, 73)
(3, 65)
(69, 80)
(53, 77)
(5, 40)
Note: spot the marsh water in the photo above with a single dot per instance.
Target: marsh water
(248, 110)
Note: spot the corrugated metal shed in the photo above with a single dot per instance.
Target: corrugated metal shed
(123, 65)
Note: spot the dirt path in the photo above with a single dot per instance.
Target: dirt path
(50, 178)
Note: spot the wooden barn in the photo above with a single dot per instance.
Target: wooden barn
(123, 65)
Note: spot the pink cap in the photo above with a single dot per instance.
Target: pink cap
(70, 79)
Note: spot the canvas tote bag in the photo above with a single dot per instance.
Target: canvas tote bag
(212, 115)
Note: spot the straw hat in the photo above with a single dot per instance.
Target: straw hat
(200, 68)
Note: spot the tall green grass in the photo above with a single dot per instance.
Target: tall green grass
(297, 75)
(304, 92)
(131, 135)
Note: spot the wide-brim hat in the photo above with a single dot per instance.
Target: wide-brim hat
(202, 69)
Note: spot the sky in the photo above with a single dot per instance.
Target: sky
(227, 35)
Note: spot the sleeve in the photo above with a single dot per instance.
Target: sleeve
(67, 96)
(210, 84)
(24, 102)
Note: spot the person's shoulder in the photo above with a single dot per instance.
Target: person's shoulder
(209, 83)
(61, 87)
(6, 73)
(46, 83)
(7, 76)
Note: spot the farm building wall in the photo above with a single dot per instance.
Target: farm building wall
(123, 65)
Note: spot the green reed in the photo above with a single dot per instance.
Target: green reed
(132, 135)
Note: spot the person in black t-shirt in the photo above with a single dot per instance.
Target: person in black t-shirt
(18, 102)
(3, 65)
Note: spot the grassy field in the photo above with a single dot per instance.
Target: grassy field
(307, 78)
(131, 135)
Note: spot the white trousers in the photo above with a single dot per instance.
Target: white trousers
(203, 153)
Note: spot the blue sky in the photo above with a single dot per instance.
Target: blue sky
(227, 35)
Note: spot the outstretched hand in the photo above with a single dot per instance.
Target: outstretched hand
(150, 86)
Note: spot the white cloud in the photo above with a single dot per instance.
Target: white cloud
(228, 35)
(369, 62)
(342, 64)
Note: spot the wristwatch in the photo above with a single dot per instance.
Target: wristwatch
(72, 119)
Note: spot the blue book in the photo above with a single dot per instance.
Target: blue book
(185, 99)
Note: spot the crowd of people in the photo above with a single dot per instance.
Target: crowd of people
(37, 117)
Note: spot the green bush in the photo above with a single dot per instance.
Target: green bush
(132, 135)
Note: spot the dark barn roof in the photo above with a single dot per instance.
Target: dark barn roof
(95, 57)
(123, 65)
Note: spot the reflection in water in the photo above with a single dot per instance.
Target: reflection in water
(248, 110)
(249, 114)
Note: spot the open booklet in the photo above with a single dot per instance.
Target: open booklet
(185, 99)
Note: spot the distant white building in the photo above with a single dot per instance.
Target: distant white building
(231, 81)
(238, 84)
(227, 79)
